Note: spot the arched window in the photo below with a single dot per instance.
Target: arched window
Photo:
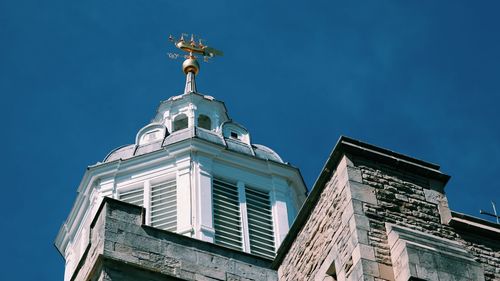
(204, 122)
(233, 131)
(180, 122)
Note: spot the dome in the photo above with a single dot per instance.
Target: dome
(193, 116)
(235, 145)
(121, 152)
(265, 152)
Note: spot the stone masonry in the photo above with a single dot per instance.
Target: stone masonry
(379, 215)
(336, 233)
(122, 248)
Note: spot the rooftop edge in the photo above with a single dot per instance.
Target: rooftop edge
(346, 145)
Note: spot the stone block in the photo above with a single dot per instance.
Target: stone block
(360, 236)
(359, 222)
(180, 252)
(363, 251)
(426, 273)
(355, 272)
(186, 275)
(358, 206)
(370, 268)
(401, 197)
(362, 192)
(476, 272)
(420, 255)
(232, 277)
(438, 198)
(355, 174)
(347, 213)
(386, 272)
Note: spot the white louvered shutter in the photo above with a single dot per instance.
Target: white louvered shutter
(164, 205)
(227, 220)
(134, 196)
(260, 223)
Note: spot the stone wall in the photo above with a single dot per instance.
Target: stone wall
(333, 243)
(418, 202)
(115, 270)
(485, 248)
(400, 200)
(123, 248)
(304, 259)
(367, 193)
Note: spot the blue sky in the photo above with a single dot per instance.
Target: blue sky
(79, 78)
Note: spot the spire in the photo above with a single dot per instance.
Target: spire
(191, 66)
(190, 83)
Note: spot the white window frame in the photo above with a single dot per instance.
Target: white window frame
(241, 186)
(146, 194)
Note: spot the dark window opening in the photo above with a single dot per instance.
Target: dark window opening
(234, 135)
(204, 122)
(180, 122)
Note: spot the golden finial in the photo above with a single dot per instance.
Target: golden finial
(192, 48)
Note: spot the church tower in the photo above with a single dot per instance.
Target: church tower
(196, 173)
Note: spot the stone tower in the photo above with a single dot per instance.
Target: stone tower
(196, 173)
(378, 215)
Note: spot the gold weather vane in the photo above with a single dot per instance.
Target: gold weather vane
(192, 47)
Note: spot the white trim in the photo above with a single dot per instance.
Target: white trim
(243, 216)
(252, 171)
(147, 200)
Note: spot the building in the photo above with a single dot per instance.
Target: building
(374, 214)
(194, 199)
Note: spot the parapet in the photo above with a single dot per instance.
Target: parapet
(121, 247)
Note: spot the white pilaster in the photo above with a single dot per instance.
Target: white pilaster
(147, 201)
(279, 209)
(244, 222)
(204, 197)
(183, 180)
(191, 115)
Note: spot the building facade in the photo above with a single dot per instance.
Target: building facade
(194, 199)
(374, 214)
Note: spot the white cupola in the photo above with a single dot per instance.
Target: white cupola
(196, 173)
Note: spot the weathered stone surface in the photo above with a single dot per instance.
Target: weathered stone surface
(337, 228)
(347, 228)
(122, 248)
(418, 255)
(418, 203)
(324, 230)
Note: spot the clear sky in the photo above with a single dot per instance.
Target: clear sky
(79, 78)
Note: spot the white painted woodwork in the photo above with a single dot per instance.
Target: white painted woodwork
(185, 170)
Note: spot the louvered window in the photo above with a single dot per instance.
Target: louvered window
(164, 205)
(260, 223)
(227, 220)
(134, 196)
